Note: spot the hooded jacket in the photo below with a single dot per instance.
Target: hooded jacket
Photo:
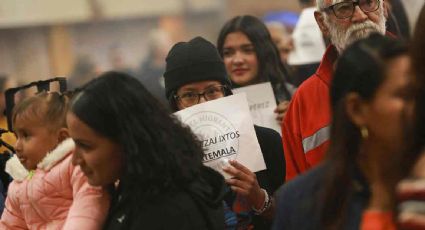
(197, 206)
(56, 195)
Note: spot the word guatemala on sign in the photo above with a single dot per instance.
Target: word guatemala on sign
(222, 152)
(214, 155)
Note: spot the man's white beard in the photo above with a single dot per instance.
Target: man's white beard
(342, 38)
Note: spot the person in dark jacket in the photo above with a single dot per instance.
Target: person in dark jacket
(195, 73)
(366, 155)
(126, 141)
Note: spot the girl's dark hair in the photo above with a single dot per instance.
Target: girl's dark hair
(160, 155)
(361, 69)
(270, 67)
(418, 62)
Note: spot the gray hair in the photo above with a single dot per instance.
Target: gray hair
(320, 4)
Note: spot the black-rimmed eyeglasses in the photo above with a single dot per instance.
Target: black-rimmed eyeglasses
(346, 9)
(190, 98)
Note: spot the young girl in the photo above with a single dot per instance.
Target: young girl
(48, 192)
(250, 57)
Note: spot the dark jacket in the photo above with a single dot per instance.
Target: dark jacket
(271, 178)
(198, 206)
(299, 202)
(271, 147)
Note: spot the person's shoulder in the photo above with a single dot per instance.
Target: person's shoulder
(172, 211)
(266, 132)
(304, 184)
(309, 83)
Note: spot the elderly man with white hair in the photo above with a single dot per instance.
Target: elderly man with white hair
(306, 126)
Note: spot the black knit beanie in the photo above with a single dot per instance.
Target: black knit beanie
(193, 61)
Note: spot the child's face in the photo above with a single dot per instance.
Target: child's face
(34, 141)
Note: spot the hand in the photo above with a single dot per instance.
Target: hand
(244, 182)
(281, 110)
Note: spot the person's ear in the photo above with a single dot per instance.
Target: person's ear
(63, 134)
(320, 19)
(356, 109)
(387, 8)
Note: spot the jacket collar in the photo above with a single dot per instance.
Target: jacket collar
(326, 68)
(18, 172)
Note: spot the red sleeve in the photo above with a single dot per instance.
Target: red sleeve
(377, 220)
(295, 158)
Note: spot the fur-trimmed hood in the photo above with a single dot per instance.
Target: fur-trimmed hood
(18, 172)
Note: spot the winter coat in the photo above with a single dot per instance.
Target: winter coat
(197, 206)
(56, 195)
(305, 129)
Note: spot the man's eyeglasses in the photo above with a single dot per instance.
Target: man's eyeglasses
(190, 98)
(346, 9)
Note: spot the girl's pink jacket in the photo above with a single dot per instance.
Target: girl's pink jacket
(55, 196)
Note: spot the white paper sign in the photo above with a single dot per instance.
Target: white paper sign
(227, 133)
(262, 104)
(309, 46)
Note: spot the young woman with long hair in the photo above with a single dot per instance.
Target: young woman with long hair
(251, 57)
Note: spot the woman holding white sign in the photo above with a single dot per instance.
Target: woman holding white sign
(195, 73)
(251, 57)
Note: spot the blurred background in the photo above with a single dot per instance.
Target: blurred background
(80, 38)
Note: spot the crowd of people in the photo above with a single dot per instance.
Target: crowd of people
(110, 155)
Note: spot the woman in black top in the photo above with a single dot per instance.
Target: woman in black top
(126, 141)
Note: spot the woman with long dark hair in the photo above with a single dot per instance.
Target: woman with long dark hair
(369, 96)
(251, 57)
(126, 141)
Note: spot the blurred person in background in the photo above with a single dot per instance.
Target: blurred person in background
(251, 57)
(397, 22)
(194, 67)
(117, 60)
(9, 137)
(152, 69)
(410, 191)
(84, 70)
(281, 38)
(283, 41)
(308, 42)
(370, 94)
(307, 123)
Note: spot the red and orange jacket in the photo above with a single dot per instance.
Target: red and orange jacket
(306, 126)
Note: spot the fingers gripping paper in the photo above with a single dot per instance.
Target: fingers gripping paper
(225, 128)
